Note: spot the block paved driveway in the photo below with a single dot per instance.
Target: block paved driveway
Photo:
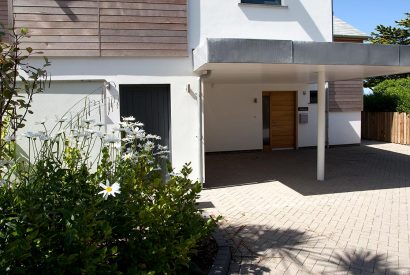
(278, 219)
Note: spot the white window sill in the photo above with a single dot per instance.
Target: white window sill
(263, 5)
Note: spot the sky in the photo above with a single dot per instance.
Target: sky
(367, 14)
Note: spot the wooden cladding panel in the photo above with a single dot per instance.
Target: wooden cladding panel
(59, 28)
(143, 28)
(345, 96)
(104, 28)
(4, 15)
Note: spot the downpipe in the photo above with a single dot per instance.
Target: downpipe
(204, 74)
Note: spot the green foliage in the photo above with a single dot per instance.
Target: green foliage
(393, 35)
(399, 35)
(53, 219)
(389, 96)
(19, 82)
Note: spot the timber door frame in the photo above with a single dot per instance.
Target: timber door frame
(295, 131)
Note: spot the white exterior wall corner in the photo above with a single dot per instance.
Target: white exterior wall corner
(344, 128)
(299, 20)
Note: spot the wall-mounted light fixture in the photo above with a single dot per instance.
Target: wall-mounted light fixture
(255, 100)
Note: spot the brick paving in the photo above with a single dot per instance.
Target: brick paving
(280, 220)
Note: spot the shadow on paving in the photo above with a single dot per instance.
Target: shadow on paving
(348, 169)
(258, 250)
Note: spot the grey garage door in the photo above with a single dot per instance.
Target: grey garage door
(149, 104)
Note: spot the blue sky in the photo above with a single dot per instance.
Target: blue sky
(367, 14)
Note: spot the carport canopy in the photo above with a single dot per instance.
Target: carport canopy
(283, 61)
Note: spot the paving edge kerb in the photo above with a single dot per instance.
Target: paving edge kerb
(223, 257)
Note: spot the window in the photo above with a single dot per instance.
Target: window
(313, 97)
(269, 2)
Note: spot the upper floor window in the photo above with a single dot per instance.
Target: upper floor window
(269, 2)
(313, 97)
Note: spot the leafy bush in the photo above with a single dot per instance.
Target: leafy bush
(389, 96)
(20, 81)
(70, 213)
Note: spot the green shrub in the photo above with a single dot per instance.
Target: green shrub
(389, 96)
(56, 218)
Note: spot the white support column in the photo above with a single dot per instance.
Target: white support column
(321, 125)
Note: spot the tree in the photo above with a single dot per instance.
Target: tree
(19, 82)
(390, 95)
(399, 35)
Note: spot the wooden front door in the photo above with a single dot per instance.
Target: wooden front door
(282, 119)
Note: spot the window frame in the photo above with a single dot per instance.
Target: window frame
(310, 97)
(262, 2)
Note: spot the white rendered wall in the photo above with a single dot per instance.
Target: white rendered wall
(344, 128)
(233, 121)
(174, 71)
(307, 133)
(302, 20)
(55, 103)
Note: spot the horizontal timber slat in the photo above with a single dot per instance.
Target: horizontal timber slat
(143, 26)
(53, 11)
(67, 53)
(142, 46)
(62, 38)
(56, 25)
(346, 96)
(55, 18)
(104, 27)
(155, 33)
(144, 39)
(142, 19)
(47, 32)
(62, 46)
(143, 53)
(141, 6)
(120, 12)
(58, 4)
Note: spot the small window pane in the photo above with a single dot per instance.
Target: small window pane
(272, 2)
(313, 97)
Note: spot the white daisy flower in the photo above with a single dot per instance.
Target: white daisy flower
(90, 131)
(88, 121)
(44, 137)
(128, 156)
(41, 122)
(99, 134)
(129, 118)
(109, 189)
(61, 120)
(149, 145)
(32, 135)
(149, 136)
(61, 132)
(111, 139)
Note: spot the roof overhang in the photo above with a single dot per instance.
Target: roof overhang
(283, 61)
